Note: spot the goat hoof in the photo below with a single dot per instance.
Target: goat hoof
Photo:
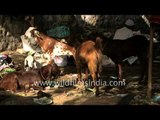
(97, 93)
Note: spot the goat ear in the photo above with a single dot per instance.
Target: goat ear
(99, 43)
(42, 70)
(99, 39)
(42, 73)
(37, 33)
(32, 32)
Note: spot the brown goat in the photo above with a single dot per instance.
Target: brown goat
(49, 44)
(89, 56)
(24, 80)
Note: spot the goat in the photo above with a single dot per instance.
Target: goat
(30, 63)
(24, 80)
(89, 56)
(118, 50)
(51, 46)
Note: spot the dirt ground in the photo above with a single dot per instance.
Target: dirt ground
(130, 94)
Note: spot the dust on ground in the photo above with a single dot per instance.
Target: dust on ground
(130, 94)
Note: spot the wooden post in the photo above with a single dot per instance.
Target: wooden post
(149, 90)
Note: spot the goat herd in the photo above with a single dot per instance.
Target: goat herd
(87, 56)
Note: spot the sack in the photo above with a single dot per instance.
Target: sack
(59, 32)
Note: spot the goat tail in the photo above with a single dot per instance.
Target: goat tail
(98, 43)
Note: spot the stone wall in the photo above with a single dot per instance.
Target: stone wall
(12, 27)
(10, 30)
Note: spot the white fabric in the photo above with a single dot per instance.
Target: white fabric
(129, 22)
(123, 33)
(90, 19)
(30, 62)
(131, 59)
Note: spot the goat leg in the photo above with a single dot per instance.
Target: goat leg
(94, 76)
(86, 74)
(119, 71)
(93, 71)
(143, 74)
